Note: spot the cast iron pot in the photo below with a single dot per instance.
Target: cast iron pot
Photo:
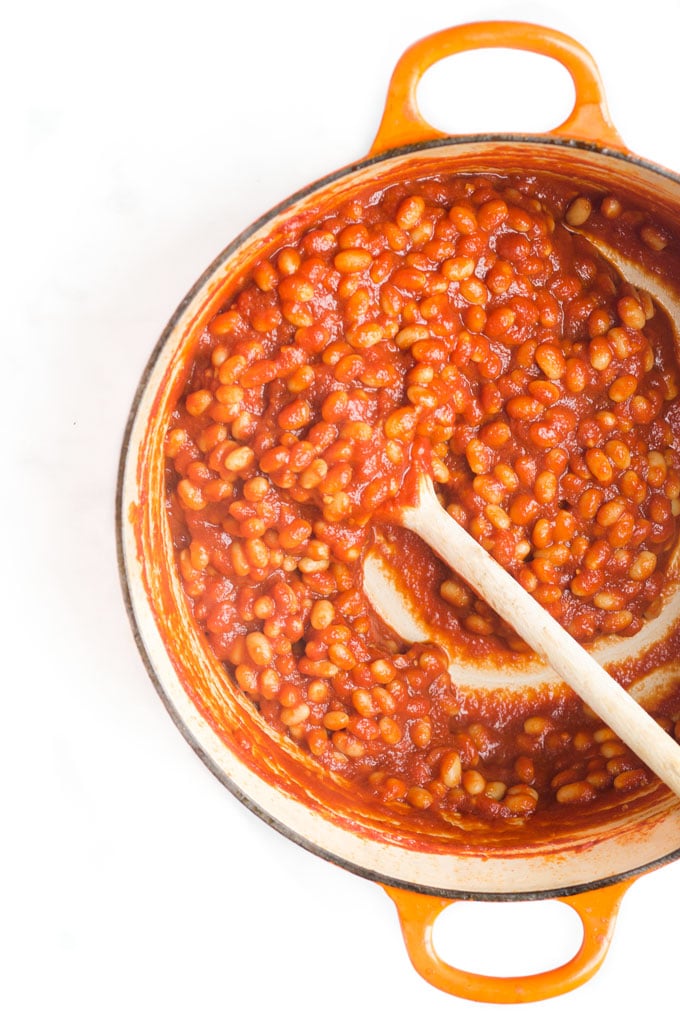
(588, 860)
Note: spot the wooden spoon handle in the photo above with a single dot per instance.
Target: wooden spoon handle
(546, 636)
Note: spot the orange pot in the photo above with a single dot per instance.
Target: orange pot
(588, 861)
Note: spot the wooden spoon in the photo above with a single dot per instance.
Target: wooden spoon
(618, 709)
(643, 279)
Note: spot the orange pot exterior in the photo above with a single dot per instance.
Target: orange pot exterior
(402, 123)
(597, 909)
(275, 779)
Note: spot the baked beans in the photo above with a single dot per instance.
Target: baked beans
(454, 321)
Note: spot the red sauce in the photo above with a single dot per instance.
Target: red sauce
(458, 323)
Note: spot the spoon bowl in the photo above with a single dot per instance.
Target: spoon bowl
(548, 639)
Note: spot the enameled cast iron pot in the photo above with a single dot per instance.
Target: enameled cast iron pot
(588, 862)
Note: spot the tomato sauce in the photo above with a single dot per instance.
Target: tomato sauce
(465, 324)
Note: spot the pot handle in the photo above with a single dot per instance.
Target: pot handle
(597, 909)
(402, 123)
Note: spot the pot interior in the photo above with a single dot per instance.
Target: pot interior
(467, 857)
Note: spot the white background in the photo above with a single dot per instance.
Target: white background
(139, 138)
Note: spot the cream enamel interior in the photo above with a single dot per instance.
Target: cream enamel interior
(272, 776)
